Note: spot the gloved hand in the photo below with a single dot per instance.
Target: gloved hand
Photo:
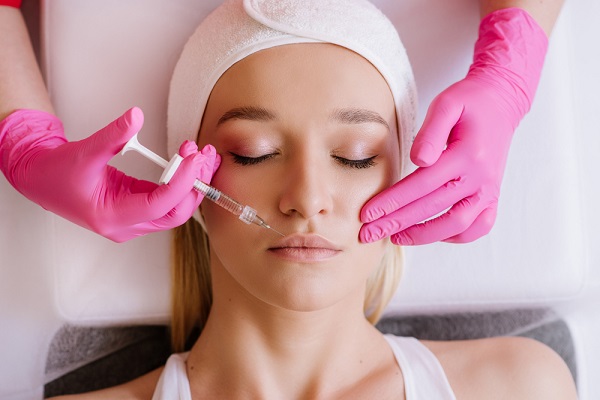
(462, 147)
(73, 180)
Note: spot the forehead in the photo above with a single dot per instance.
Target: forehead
(296, 72)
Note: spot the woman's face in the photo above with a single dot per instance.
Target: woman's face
(307, 134)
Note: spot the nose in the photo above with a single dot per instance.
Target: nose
(306, 192)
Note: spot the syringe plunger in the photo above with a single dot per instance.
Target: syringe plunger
(245, 213)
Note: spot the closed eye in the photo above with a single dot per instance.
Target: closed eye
(243, 160)
(357, 164)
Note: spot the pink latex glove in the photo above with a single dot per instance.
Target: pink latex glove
(463, 144)
(73, 180)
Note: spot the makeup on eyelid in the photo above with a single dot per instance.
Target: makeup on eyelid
(252, 152)
(355, 144)
(256, 146)
(244, 213)
(354, 161)
(351, 150)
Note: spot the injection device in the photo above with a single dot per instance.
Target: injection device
(244, 213)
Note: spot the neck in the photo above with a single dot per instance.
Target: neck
(248, 346)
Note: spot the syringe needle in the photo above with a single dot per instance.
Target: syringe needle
(261, 222)
(275, 230)
(245, 213)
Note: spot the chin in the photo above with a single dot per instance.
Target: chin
(309, 290)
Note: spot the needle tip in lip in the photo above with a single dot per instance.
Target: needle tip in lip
(269, 227)
(276, 231)
(261, 222)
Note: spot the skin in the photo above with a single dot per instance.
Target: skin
(475, 369)
(307, 148)
(290, 311)
(545, 12)
(21, 83)
(290, 325)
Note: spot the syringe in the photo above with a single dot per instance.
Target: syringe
(244, 213)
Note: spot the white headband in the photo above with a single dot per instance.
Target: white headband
(239, 28)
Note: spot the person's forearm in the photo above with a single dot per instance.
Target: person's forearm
(21, 83)
(545, 12)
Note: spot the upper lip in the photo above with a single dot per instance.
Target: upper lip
(305, 240)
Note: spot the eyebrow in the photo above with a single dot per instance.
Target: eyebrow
(250, 113)
(343, 115)
(358, 116)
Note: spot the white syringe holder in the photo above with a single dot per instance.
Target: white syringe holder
(134, 144)
(170, 169)
(246, 214)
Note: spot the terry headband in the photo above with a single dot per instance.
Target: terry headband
(238, 28)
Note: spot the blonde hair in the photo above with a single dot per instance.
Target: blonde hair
(230, 33)
(191, 289)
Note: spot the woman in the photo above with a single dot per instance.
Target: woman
(509, 54)
(309, 105)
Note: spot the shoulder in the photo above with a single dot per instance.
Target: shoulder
(141, 388)
(502, 368)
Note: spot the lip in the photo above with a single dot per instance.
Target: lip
(304, 248)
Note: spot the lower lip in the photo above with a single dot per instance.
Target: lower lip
(304, 254)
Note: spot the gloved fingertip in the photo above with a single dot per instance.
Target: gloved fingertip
(208, 150)
(401, 239)
(450, 240)
(133, 117)
(204, 163)
(187, 148)
(137, 114)
(122, 129)
(423, 154)
(367, 235)
(363, 238)
(217, 163)
(199, 159)
(370, 214)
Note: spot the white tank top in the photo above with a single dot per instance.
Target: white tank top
(424, 378)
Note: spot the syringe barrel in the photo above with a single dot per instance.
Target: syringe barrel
(245, 213)
(248, 215)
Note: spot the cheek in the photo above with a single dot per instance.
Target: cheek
(243, 184)
(353, 193)
(225, 229)
(233, 243)
(220, 221)
(358, 189)
(367, 256)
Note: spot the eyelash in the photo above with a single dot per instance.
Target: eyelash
(250, 160)
(356, 164)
